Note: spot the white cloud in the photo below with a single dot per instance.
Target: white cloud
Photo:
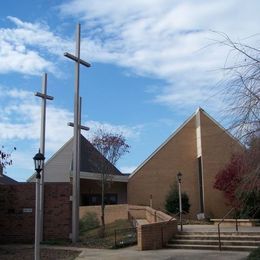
(165, 39)
(17, 58)
(161, 38)
(28, 48)
(20, 121)
(127, 169)
(128, 132)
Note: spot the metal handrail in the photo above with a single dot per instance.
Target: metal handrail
(175, 216)
(222, 220)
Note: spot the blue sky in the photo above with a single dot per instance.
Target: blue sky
(153, 63)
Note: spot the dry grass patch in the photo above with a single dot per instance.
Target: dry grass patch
(91, 238)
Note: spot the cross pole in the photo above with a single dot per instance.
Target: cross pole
(40, 194)
(76, 177)
(80, 127)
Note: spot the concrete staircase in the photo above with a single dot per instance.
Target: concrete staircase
(233, 241)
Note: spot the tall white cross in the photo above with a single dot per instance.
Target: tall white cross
(40, 194)
(80, 127)
(76, 166)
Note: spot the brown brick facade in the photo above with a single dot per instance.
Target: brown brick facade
(217, 149)
(17, 212)
(159, 173)
(180, 154)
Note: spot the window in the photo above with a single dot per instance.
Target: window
(95, 199)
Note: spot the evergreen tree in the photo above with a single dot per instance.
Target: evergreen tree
(172, 201)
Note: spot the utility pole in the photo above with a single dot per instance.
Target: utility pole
(76, 177)
(44, 98)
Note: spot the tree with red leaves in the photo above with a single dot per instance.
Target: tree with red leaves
(240, 180)
(112, 147)
(228, 179)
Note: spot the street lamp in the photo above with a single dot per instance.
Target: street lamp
(38, 163)
(179, 175)
(38, 166)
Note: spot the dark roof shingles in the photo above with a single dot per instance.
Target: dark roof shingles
(91, 158)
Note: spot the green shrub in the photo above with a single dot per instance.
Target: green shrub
(172, 201)
(254, 255)
(88, 222)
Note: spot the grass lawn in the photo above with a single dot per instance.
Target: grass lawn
(92, 239)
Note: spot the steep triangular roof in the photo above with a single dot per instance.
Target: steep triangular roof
(91, 158)
(199, 110)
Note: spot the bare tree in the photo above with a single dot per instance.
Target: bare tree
(112, 147)
(242, 97)
(5, 159)
(242, 87)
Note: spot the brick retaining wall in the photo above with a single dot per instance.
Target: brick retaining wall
(157, 233)
(112, 212)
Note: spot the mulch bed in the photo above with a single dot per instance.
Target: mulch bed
(14, 253)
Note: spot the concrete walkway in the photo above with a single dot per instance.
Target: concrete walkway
(132, 253)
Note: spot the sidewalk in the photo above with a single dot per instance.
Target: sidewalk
(132, 253)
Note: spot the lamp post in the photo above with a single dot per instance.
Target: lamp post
(44, 97)
(179, 175)
(38, 166)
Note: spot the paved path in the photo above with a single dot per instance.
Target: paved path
(132, 253)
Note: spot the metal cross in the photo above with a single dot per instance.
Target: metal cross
(76, 177)
(80, 127)
(40, 193)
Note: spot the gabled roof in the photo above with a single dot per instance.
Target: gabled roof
(162, 145)
(6, 180)
(91, 158)
(199, 110)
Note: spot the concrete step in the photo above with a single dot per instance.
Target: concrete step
(209, 233)
(141, 221)
(215, 237)
(212, 247)
(214, 242)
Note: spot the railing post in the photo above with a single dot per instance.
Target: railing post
(219, 242)
(236, 225)
(115, 238)
(162, 236)
(236, 220)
